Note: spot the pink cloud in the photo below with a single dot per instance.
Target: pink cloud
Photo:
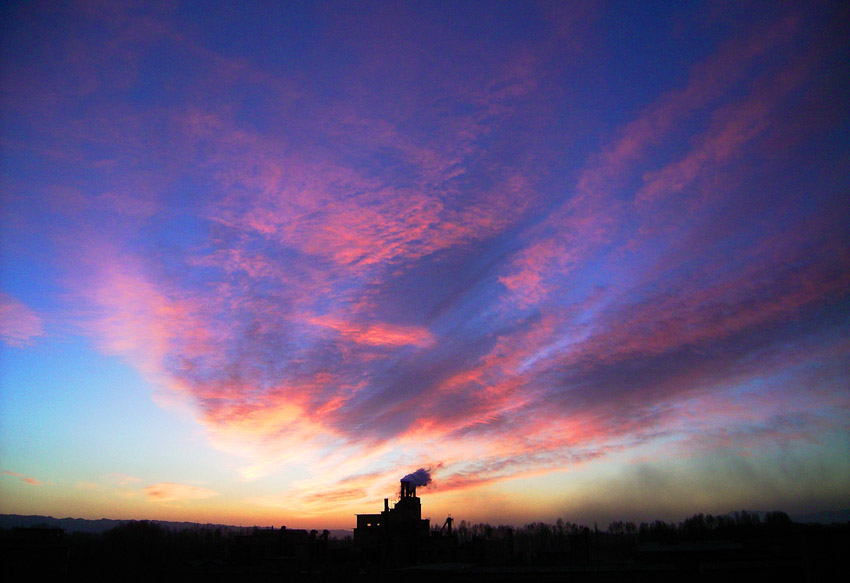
(546, 438)
(356, 222)
(763, 294)
(304, 222)
(593, 213)
(378, 333)
(25, 479)
(19, 324)
(708, 82)
(732, 129)
(137, 319)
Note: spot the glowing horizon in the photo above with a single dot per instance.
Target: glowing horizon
(579, 260)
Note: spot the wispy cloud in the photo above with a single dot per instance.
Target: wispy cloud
(123, 479)
(425, 255)
(298, 338)
(25, 479)
(19, 324)
(168, 491)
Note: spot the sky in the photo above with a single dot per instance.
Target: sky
(578, 260)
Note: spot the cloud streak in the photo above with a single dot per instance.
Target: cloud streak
(24, 479)
(170, 492)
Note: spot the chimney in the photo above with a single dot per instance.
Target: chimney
(408, 489)
(386, 504)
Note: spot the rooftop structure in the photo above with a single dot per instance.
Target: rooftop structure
(397, 535)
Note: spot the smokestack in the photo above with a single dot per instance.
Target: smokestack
(386, 504)
(420, 477)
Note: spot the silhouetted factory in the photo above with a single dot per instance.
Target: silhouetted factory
(399, 535)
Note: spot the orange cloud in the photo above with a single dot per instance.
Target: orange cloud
(168, 491)
(335, 496)
(26, 479)
(123, 479)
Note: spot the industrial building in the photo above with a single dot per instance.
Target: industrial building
(399, 535)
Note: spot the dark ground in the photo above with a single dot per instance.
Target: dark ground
(737, 547)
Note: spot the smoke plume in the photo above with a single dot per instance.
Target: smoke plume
(420, 477)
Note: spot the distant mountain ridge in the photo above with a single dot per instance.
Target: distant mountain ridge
(71, 525)
(93, 526)
(827, 517)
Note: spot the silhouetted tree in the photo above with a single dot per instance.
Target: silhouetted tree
(777, 518)
(136, 546)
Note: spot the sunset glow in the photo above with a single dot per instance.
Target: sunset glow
(580, 260)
